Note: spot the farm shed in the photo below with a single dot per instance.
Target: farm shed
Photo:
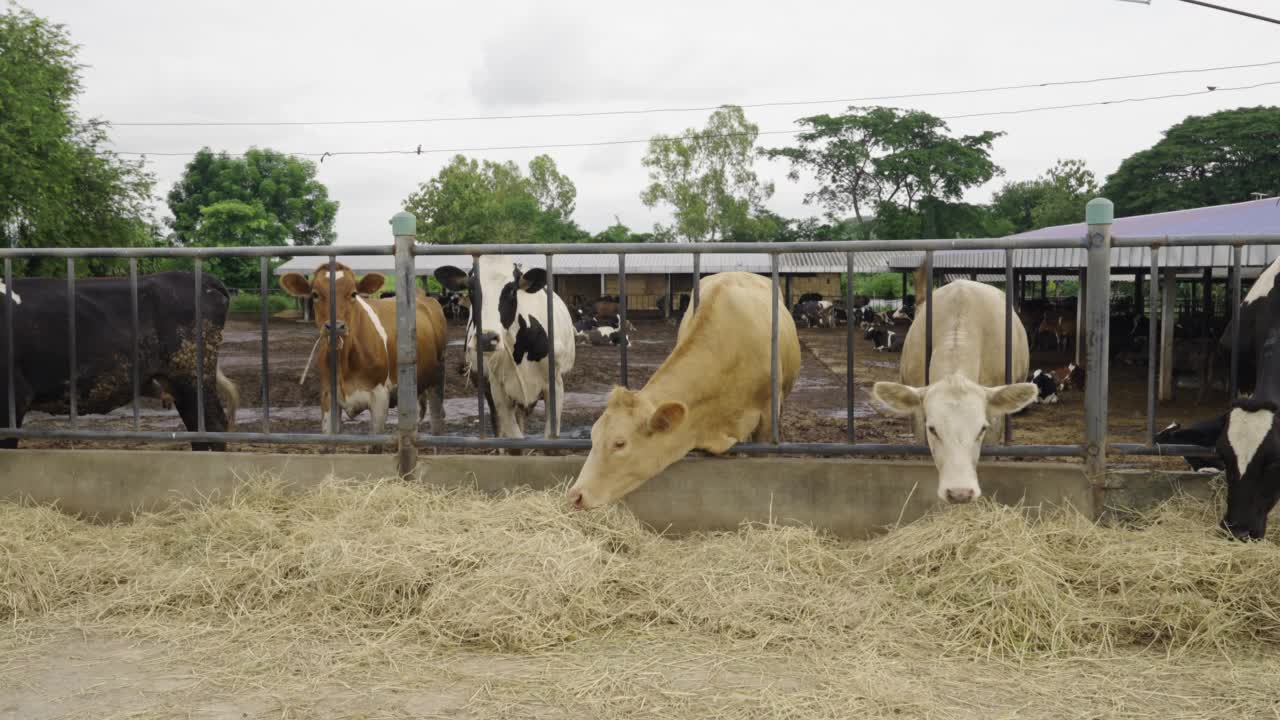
(1194, 275)
(650, 276)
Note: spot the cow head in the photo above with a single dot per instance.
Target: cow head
(956, 414)
(345, 288)
(491, 290)
(631, 442)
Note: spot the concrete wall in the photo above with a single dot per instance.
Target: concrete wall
(851, 498)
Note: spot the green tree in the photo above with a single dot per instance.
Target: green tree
(285, 187)
(232, 223)
(1057, 197)
(1203, 160)
(707, 176)
(886, 161)
(471, 201)
(620, 233)
(61, 186)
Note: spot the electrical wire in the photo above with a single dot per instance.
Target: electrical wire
(699, 108)
(633, 141)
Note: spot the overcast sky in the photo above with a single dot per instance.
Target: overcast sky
(188, 60)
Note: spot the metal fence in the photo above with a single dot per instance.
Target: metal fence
(1098, 243)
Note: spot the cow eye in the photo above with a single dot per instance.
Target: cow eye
(933, 431)
(353, 294)
(315, 296)
(619, 444)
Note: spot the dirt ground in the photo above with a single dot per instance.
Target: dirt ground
(815, 412)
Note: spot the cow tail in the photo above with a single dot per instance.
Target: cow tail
(232, 394)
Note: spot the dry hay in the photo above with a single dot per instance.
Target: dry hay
(591, 613)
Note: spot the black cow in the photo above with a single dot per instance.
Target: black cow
(682, 304)
(104, 348)
(1204, 433)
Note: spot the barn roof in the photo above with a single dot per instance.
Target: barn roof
(637, 263)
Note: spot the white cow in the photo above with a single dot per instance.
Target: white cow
(513, 316)
(965, 403)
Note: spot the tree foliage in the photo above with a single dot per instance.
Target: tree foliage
(471, 201)
(707, 176)
(1057, 197)
(232, 223)
(1203, 160)
(883, 160)
(283, 186)
(61, 186)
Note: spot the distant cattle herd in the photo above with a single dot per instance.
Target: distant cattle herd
(712, 392)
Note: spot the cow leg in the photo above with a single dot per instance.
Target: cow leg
(554, 414)
(215, 419)
(432, 400)
(325, 403)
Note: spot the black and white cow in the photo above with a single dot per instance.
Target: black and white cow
(1246, 437)
(511, 306)
(1047, 384)
(104, 348)
(885, 339)
(1204, 433)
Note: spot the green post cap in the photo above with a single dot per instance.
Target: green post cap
(1099, 211)
(404, 223)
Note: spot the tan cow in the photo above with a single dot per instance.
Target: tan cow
(711, 393)
(965, 404)
(366, 332)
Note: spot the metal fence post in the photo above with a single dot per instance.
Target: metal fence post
(404, 226)
(1099, 214)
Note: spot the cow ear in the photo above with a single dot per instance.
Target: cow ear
(295, 284)
(370, 283)
(667, 416)
(534, 280)
(898, 399)
(451, 277)
(1009, 399)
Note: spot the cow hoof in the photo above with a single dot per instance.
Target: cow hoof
(375, 449)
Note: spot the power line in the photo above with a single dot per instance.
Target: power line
(633, 141)
(1223, 8)
(699, 108)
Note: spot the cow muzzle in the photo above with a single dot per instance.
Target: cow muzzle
(341, 328)
(488, 341)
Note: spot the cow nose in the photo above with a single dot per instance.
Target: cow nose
(488, 341)
(341, 325)
(959, 496)
(575, 499)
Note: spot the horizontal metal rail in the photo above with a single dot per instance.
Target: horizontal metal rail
(770, 248)
(1194, 240)
(321, 251)
(275, 438)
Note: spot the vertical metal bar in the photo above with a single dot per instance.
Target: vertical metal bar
(666, 311)
(1206, 303)
(553, 417)
(404, 231)
(477, 300)
(848, 349)
(1082, 307)
(71, 339)
(137, 355)
(1235, 326)
(773, 352)
(8, 342)
(199, 330)
(697, 278)
(1153, 282)
(263, 299)
(1168, 304)
(1008, 336)
(335, 421)
(1099, 214)
(928, 313)
(622, 314)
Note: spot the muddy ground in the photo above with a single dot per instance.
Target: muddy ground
(815, 412)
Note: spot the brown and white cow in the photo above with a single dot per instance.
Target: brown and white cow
(366, 331)
(711, 393)
(965, 402)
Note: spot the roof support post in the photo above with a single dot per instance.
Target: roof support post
(404, 227)
(1099, 214)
